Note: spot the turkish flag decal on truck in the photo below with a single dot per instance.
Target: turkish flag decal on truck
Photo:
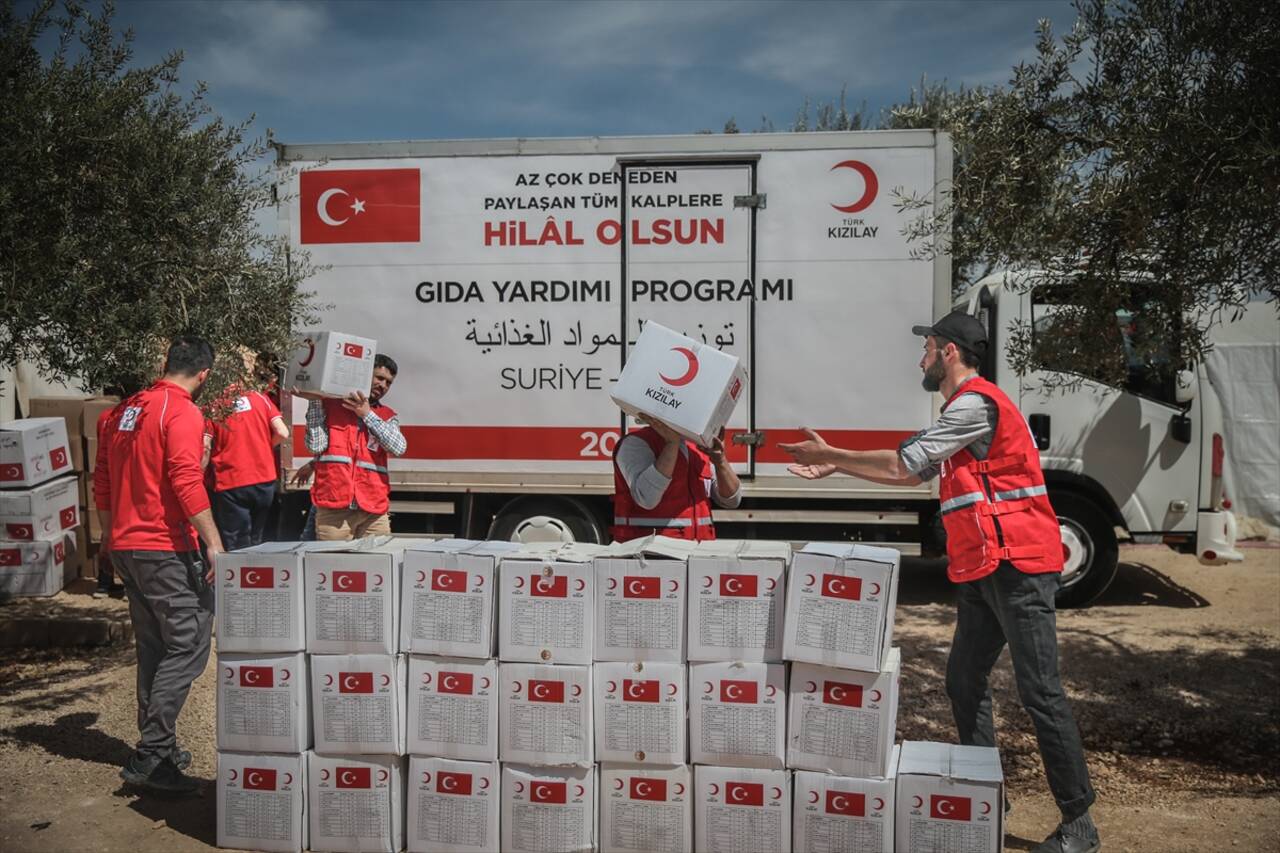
(361, 206)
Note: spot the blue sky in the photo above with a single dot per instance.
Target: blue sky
(344, 71)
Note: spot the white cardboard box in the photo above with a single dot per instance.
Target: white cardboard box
(641, 599)
(739, 809)
(453, 707)
(261, 802)
(736, 601)
(44, 512)
(358, 704)
(33, 450)
(260, 605)
(950, 799)
(545, 718)
(447, 607)
(32, 568)
(843, 721)
(332, 363)
(356, 803)
(646, 808)
(738, 714)
(640, 712)
(842, 813)
(453, 806)
(548, 809)
(840, 605)
(353, 598)
(546, 605)
(263, 703)
(685, 383)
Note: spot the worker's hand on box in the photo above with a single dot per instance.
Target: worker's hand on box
(661, 428)
(306, 395)
(212, 552)
(357, 402)
(716, 451)
(810, 452)
(812, 472)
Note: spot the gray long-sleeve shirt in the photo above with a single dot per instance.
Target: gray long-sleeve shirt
(969, 422)
(636, 462)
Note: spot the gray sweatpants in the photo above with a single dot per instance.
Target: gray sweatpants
(172, 611)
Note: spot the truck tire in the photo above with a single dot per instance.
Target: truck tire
(542, 519)
(1089, 548)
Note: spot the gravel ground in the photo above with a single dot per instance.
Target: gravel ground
(1174, 678)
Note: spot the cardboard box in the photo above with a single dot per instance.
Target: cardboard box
(545, 718)
(86, 560)
(32, 568)
(91, 412)
(449, 597)
(260, 605)
(90, 456)
(352, 597)
(740, 809)
(332, 363)
(261, 802)
(94, 524)
(453, 806)
(738, 714)
(69, 409)
(843, 813)
(548, 809)
(546, 605)
(646, 808)
(641, 598)
(453, 707)
(33, 451)
(355, 803)
(687, 384)
(45, 512)
(640, 712)
(950, 798)
(736, 604)
(263, 703)
(358, 704)
(840, 605)
(843, 721)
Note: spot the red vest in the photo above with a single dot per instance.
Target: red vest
(997, 508)
(684, 512)
(354, 466)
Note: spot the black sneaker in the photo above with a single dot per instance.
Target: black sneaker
(181, 758)
(137, 769)
(1063, 842)
(165, 778)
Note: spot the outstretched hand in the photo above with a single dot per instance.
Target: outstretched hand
(811, 452)
(812, 472)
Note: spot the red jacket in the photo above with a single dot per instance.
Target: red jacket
(684, 512)
(354, 465)
(243, 449)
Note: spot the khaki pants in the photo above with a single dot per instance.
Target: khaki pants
(342, 524)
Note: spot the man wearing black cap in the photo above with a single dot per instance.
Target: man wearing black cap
(1004, 551)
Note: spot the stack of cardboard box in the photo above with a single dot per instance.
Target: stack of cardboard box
(39, 514)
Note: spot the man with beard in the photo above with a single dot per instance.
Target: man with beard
(1004, 551)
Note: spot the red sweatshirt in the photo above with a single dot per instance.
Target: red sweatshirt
(148, 470)
(243, 452)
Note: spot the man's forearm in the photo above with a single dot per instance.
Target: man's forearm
(878, 466)
(203, 523)
(727, 482)
(666, 461)
(104, 519)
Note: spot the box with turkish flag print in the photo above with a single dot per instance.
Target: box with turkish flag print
(738, 714)
(546, 714)
(843, 812)
(32, 568)
(44, 512)
(263, 703)
(261, 802)
(646, 808)
(840, 605)
(950, 799)
(33, 451)
(453, 707)
(548, 809)
(453, 806)
(333, 364)
(352, 597)
(841, 720)
(546, 604)
(260, 606)
(641, 596)
(355, 803)
(690, 386)
(640, 712)
(358, 704)
(737, 592)
(449, 597)
(741, 809)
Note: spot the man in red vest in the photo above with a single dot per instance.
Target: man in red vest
(1004, 550)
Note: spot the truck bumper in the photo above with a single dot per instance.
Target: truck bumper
(1216, 538)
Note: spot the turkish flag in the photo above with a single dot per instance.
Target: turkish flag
(453, 783)
(353, 350)
(549, 792)
(943, 807)
(554, 587)
(459, 683)
(840, 693)
(738, 586)
(742, 692)
(648, 789)
(21, 532)
(361, 205)
(11, 472)
(58, 458)
(256, 779)
(838, 586)
(637, 587)
(355, 777)
(446, 580)
(847, 804)
(744, 793)
(67, 517)
(546, 691)
(256, 676)
(257, 577)
(355, 682)
(639, 691)
(10, 557)
(348, 582)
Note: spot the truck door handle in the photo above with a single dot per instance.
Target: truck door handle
(1040, 430)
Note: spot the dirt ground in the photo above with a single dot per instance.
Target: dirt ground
(1174, 677)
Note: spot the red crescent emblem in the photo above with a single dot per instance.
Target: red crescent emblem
(519, 582)
(284, 576)
(235, 774)
(577, 690)
(710, 687)
(517, 684)
(691, 368)
(581, 790)
(311, 353)
(810, 687)
(986, 808)
(231, 673)
(810, 580)
(706, 581)
(875, 695)
(328, 679)
(672, 689)
(386, 680)
(422, 577)
(777, 793)
(679, 788)
(231, 575)
(611, 687)
(868, 178)
(617, 783)
(324, 775)
(519, 787)
(773, 582)
(771, 690)
(284, 675)
(715, 789)
(875, 589)
(426, 777)
(917, 802)
(322, 579)
(613, 584)
(479, 580)
(813, 796)
(378, 582)
(288, 778)
(383, 775)
(581, 584)
(484, 681)
(426, 678)
(484, 783)
(675, 585)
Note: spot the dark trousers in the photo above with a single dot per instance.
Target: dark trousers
(241, 514)
(1010, 607)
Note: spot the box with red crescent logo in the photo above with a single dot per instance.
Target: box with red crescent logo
(546, 714)
(546, 604)
(949, 798)
(640, 712)
(453, 707)
(738, 714)
(33, 568)
(738, 808)
(843, 721)
(331, 363)
(687, 384)
(33, 451)
(358, 704)
(41, 513)
(453, 806)
(448, 605)
(263, 703)
(843, 812)
(641, 600)
(840, 605)
(737, 592)
(260, 600)
(355, 803)
(548, 808)
(261, 802)
(646, 808)
(353, 597)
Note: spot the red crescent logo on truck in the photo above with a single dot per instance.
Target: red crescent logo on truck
(869, 179)
(690, 372)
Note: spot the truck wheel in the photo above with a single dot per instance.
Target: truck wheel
(547, 520)
(1090, 551)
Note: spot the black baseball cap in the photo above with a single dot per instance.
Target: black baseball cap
(963, 330)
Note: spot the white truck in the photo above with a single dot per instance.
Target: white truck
(508, 278)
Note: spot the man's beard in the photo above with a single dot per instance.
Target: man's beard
(933, 376)
(197, 391)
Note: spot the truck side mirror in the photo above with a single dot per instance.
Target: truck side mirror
(1185, 385)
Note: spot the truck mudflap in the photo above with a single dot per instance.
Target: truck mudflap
(1216, 538)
